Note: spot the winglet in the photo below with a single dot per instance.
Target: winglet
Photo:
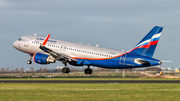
(45, 41)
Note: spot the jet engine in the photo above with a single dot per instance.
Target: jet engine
(43, 58)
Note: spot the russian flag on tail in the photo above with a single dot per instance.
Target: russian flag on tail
(147, 45)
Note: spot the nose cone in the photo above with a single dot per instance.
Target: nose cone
(15, 44)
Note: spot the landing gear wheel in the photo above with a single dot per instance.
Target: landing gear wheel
(66, 70)
(88, 71)
(30, 58)
(29, 62)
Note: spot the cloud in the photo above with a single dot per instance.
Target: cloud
(122, 22)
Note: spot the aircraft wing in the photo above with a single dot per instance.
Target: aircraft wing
(56, 55)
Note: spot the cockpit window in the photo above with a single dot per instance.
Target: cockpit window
(20, 39)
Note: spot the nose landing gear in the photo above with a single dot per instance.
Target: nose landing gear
(29, 62)
(30, 59)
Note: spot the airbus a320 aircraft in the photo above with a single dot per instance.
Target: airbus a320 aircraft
(45, 51)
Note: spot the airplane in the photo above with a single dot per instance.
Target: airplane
(46, 50)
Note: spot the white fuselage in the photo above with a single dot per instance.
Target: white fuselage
(45, 51)
(31, 44)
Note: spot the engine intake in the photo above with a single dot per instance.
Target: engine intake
(43, 58)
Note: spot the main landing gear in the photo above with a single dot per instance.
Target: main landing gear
(65, 69)
(88, 70)
(30, 59)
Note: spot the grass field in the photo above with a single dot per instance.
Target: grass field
(90, 78)
(89, 92)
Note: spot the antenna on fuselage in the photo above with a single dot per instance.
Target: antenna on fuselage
(97, 45)
(35, 34)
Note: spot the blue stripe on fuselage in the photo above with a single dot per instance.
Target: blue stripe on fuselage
(115, 63)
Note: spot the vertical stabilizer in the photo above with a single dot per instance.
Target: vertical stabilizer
(148, 44)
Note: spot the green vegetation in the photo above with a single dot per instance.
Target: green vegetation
(71, 77)
(90, 78)
(88, 92)
(73, 74)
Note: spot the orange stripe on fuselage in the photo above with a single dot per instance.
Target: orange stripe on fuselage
(91, 58)
(98, 58)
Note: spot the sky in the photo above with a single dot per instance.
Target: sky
(114, 24)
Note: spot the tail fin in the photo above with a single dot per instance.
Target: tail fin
(148, 44)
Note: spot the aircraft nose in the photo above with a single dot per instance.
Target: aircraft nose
(15, 44)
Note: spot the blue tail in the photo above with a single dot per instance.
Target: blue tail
(147, 45)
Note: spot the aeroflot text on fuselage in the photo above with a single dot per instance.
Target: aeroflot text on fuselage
(48, 40)
(85, 55)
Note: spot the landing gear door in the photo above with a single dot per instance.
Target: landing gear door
(122, 59)
(27, 41)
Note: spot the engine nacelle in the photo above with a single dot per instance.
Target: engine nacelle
(43, 58)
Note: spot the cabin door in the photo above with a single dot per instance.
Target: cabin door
(123, 59)
(27, 41)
